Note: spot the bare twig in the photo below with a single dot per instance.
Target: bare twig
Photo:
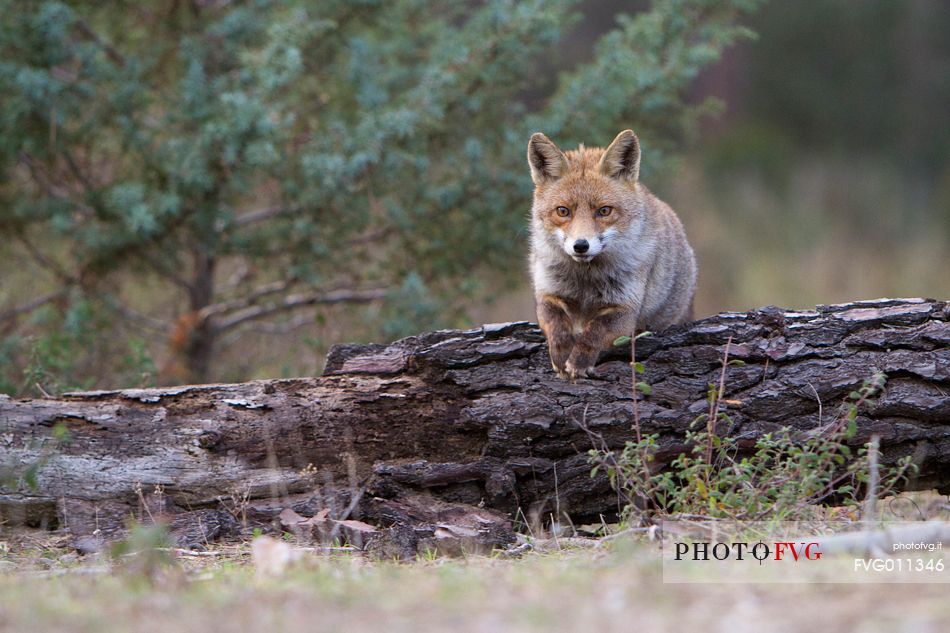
(143, 320)
(30, 306)
(886, 539)
(191, 552)
(250, 299)
(77, 172)
(874, 478)
(371, 236)
(567, 542)
(645, 495)
(625, 533)
(162, 269)
(299, 301)
(86, 31)
(282, 329)
(818, 399)
(261, 215)
(714, 408)
(633, 368)
(518, 550)
(46, 262)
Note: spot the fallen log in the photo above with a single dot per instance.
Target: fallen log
(449, 436)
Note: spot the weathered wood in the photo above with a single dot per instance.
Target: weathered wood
(462, 429)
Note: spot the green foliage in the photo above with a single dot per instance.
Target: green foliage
(641, 72)
(784, 476)
(9, 382)
(410, 309)
(145, 553)
(137, 364)
(64, 353)
(332, 145)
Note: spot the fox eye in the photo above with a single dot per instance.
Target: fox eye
(562, 212)
(603, 212)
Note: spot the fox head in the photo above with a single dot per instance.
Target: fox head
(586, 197)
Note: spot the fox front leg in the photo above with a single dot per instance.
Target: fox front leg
(556, 323)
(598, 335)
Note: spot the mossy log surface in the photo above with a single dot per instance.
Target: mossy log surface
(449, 436)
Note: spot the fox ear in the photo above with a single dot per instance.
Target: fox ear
(622, 158)
(547, 162)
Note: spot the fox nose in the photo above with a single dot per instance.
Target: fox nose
(581, 247)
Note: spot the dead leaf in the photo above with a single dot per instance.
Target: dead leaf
(271, 557)
(289, 518)
(318, 518)
(456, 531)
(358, 526)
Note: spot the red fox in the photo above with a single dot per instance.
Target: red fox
(608, 258)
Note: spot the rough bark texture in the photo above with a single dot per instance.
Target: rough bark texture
(446, 437)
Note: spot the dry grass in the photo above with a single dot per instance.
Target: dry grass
(836, 231)
(619, 590)
(617, 586)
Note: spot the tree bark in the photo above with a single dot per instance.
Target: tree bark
(199, 348)
(449, 436)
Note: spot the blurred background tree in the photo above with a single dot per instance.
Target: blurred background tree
(828, 177)
(177, 174)
(215, 190)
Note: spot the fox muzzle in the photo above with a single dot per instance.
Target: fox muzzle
(583, 249)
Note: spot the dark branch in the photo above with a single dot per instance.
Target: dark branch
(86, 31)
(161, 269)
(142, 320)
(47, 263)
(293, 302)
(30, 306)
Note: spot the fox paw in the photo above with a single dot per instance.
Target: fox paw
(572, 373)
(560, 371)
